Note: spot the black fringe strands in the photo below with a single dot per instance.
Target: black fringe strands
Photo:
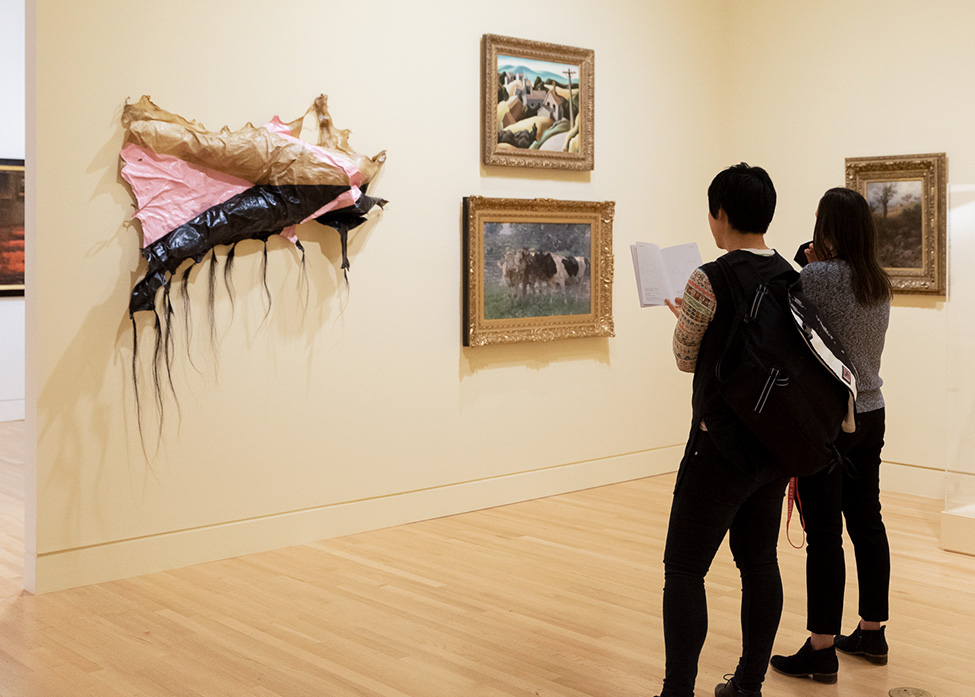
(211, 292)
(228, 267)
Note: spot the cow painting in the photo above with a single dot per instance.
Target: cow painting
(536, 269)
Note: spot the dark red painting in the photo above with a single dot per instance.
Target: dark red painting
(11, 227)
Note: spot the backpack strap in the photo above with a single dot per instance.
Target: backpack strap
(748, 296)
(730, 267)
(744, 280)
(734, 284)
(739, 267)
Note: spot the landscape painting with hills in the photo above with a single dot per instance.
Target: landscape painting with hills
(538, 105)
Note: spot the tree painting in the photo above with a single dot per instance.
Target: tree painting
(897, 212)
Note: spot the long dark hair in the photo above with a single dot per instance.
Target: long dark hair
(845, 230)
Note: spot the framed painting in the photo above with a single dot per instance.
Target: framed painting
(536, 270)
(11, 227)
(908, 197)
(537, 104)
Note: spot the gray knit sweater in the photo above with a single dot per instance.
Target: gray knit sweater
(860, 328)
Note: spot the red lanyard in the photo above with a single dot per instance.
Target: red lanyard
(794, 498)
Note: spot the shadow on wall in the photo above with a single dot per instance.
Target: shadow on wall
(86, 410)
(921, 302)
(534, 355)
(489, 172)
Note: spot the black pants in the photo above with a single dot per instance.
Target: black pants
(826, 498)
(714, 496)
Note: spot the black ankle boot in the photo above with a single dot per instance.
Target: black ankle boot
(820, 665)
(730, 689)
(869, 643)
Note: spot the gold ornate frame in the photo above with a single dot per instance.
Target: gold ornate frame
(11, 188)
(598, 322)
(930, 170)
(509, 156)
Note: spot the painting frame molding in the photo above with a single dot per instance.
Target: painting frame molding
(931, 169)
(6, 166)
(491, 46)
(598, 322)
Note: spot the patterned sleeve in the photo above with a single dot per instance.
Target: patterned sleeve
(696, 312)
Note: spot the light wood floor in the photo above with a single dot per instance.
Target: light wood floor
(558, 597)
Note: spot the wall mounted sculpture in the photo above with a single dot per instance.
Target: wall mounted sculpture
(197, 190)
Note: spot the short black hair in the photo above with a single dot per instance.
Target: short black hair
(746, 194)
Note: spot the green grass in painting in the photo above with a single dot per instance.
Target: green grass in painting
(501, 303)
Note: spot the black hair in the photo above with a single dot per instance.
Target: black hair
(845, 229)
(746, 195)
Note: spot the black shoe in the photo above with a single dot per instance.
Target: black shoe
(730, 689)
(869, 643)
(820, 665)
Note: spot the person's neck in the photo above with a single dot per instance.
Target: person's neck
(735, 240)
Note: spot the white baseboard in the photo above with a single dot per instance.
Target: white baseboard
(957, 525)
(912, 479)
(11, 410)
(68, 568)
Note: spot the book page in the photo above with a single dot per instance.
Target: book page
(652, 280)
(680, 262)
(661, 274)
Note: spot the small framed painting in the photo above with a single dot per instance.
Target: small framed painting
(11, 227)
(536, 270)
(908, 197)
(537, 104)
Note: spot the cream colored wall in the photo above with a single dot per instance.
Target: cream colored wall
(817, 82)
(363, 410)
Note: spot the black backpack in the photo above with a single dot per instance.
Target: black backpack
(783, 371)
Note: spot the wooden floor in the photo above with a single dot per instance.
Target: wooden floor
(558, 597)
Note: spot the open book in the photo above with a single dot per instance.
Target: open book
(663, 273)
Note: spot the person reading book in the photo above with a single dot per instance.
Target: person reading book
(721, 488)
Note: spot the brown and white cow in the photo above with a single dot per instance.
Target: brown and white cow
(512, 270)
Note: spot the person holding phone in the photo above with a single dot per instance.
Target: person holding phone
(843, 277)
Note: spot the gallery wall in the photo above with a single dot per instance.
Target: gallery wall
(815, 83)
(362, 409)
(12, 147)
